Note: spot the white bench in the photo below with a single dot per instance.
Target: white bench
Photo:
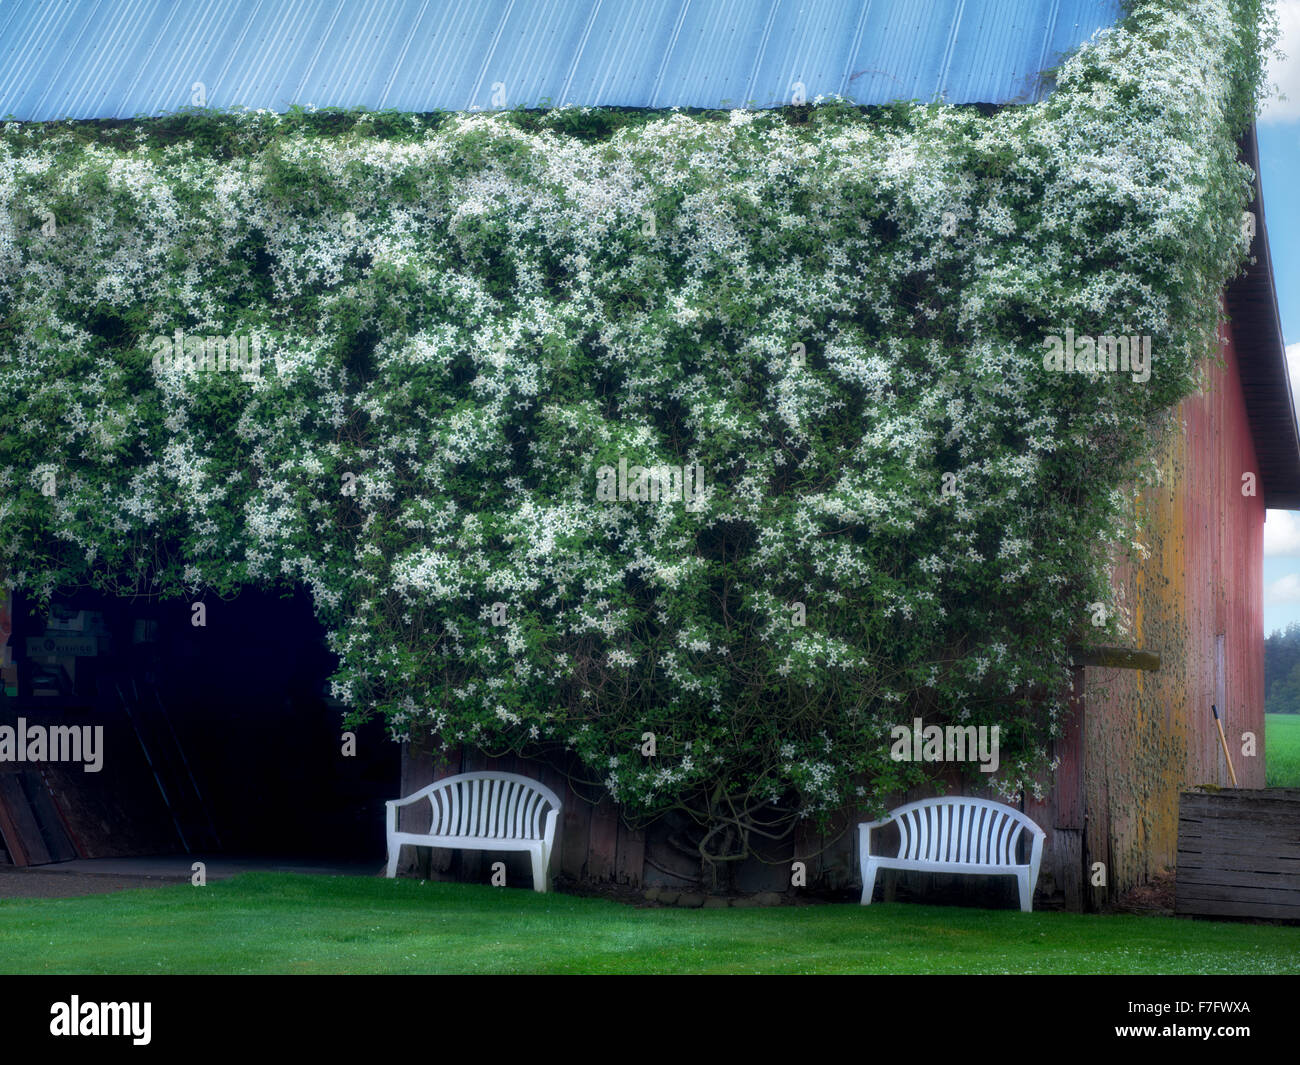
(955, 834)
(486, 811)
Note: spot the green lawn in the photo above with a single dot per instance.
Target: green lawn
(1282, 739)
(281, 923)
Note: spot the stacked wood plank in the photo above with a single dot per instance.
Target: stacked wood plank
(1239, 854)
(31, 829)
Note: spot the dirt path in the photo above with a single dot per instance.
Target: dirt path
(26, 884)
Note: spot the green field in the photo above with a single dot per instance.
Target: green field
(1282, 739)
(283, 923)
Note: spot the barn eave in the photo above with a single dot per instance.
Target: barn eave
(1251, 303)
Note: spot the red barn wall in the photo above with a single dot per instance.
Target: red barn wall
(1149, 735)
(1225, 587)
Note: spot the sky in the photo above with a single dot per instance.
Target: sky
(1279, 162)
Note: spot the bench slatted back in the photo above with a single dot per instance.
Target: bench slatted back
(489, 805)
(958, 830)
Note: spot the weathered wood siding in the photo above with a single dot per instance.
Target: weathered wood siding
(1197, 600)
(1239, 854)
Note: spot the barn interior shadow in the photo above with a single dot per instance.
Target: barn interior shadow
(217, 738)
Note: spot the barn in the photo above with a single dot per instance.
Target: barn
(185, 702)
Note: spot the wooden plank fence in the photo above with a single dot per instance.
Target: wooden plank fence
(1239, 854)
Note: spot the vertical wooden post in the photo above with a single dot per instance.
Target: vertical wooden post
(602, 853)
(577, 832)
(630, 863)
(1061, 812)
(416, 771)
(807, 847)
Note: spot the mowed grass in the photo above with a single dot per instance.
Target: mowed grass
(1282, 746)
(283, 923)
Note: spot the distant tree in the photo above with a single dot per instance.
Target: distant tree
(1282, 671)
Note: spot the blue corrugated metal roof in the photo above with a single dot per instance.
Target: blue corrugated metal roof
(125, 58)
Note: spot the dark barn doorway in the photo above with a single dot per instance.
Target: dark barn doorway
(217, 739)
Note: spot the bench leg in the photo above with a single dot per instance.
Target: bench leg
(539, 869)
(1026, 892)
(868, 881)
(394, 851)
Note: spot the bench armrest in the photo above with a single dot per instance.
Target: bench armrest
(864, 834)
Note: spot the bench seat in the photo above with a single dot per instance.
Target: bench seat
(487, 811)
(955, 834)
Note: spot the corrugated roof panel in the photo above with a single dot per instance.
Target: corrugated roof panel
(439, 60)
(703, 66)
(157, 70)
(991, 55)
(122, 58)
(1076, 22)
(623, 52)
(808, 48)
(271, 61)
(532, 54)
(903, 51)
(363, 36)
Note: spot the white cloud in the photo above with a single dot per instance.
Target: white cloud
(1293, 371)
(1285, 74)
(1281, 534)
(1293, 364)
(1284, 590)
